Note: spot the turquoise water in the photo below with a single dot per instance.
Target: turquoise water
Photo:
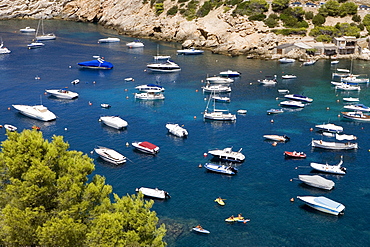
(260, 191)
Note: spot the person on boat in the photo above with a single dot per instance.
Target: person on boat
(240, 217)
(199, 227)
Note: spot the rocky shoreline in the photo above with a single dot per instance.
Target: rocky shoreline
(218, 32)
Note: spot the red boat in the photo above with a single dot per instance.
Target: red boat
(295, 154)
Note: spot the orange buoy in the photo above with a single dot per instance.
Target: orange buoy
(311, 129)
(195, 117)
(126, 90)
(274, 144)
(90, 103)
(8, 108)
(196, 90)
(205, 154)
(200, 165)
(292, 199)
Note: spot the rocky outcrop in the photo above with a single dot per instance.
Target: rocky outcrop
(219, 31)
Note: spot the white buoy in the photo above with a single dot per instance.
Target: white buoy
(65, 129)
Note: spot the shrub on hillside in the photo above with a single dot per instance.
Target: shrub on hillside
(291, 31)
(279, 5)
(318, 20)
(356, 18)
(173, 10)
(271, 22)
(258, 17)
(330, 8)
(324, 38)
(308, 15)
(204, 9)
(348, 8)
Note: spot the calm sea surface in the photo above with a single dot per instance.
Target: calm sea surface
(262, 189)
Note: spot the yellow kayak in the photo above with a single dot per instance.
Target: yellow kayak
(220, 201)
(235, 219)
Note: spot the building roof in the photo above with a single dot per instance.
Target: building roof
(303, 45)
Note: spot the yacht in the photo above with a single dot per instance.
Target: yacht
(168, 66)
(191, 51)
(109, 40)
(219, 79)
(27, 30)
(230, 73)
(62, 93)
(110, 155)
(34, 45)
(227, 154)
(135, 44)
(298, 97)
(39, 112)
(323, 204)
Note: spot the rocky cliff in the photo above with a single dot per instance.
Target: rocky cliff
(219, 31)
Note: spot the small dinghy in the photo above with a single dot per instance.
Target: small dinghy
(103, 105)
(295, 154)
(277, 138)
(275, 111)
(154, 193)
(177, 130)
(220, 201)
(200, 229)
(10, 127)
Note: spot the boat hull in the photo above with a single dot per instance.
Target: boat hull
(114, 122)
(323, 204)
(38, 112)
(333, 145)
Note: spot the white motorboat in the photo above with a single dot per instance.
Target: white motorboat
(344, 137)
(135, 44)
(149, 96)
(323, 204)
(114, 122)
(317, 181)
(347, 87)
(283, 91)
(241, 111)
(354, 79)
(146, 147)
(219, 79)
(62, 93)
(105, 105)
(286, 60)
(358, 107)
(166, 67)
(292, 103)
(356, 115)
(309, 62)
(27, 30)
(330, 127)
(351, 99)
(230, 73)
(269, 80)
(221, 168)
(277, 138)
(4, 50)
(109, 40)
(333, 145)
(154, 193)
(219, 98)
(209, 88)
(274, 111)
(177, 130)
(334, 62)
(43, 36)
(39, 112)
(110, 155)
(76, 81)
(150, 88)
(227, 154)
(336, 169)
(298, 97)
(289, 76)
(341, 73)
(10, 127)
(35, 45)
(191, 51)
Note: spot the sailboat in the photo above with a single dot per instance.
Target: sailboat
(43, 36)
(3, 50)
(217, 114)
(161, 57)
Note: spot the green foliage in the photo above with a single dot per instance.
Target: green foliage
(271, 22)
(204, 9)
(190, 11)
(346, 29)
(308, 15)
(324, 38)
(361, 27)
(182, 1)
(279, 5)
(46, 199)
(348, 8)
(293, 17)
(366, 20)
(173, 10)
(291, 31)
(324, 30)
(258, 17)
(356, 18)
(318, 20)
(159, 8)
(252, 7)
(330, 8)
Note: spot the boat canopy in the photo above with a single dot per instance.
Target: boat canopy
(317, 180)
(97, 63)
(148, 145)
(326, 201)
(154, 85)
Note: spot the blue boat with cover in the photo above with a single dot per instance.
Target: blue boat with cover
(98, 63)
